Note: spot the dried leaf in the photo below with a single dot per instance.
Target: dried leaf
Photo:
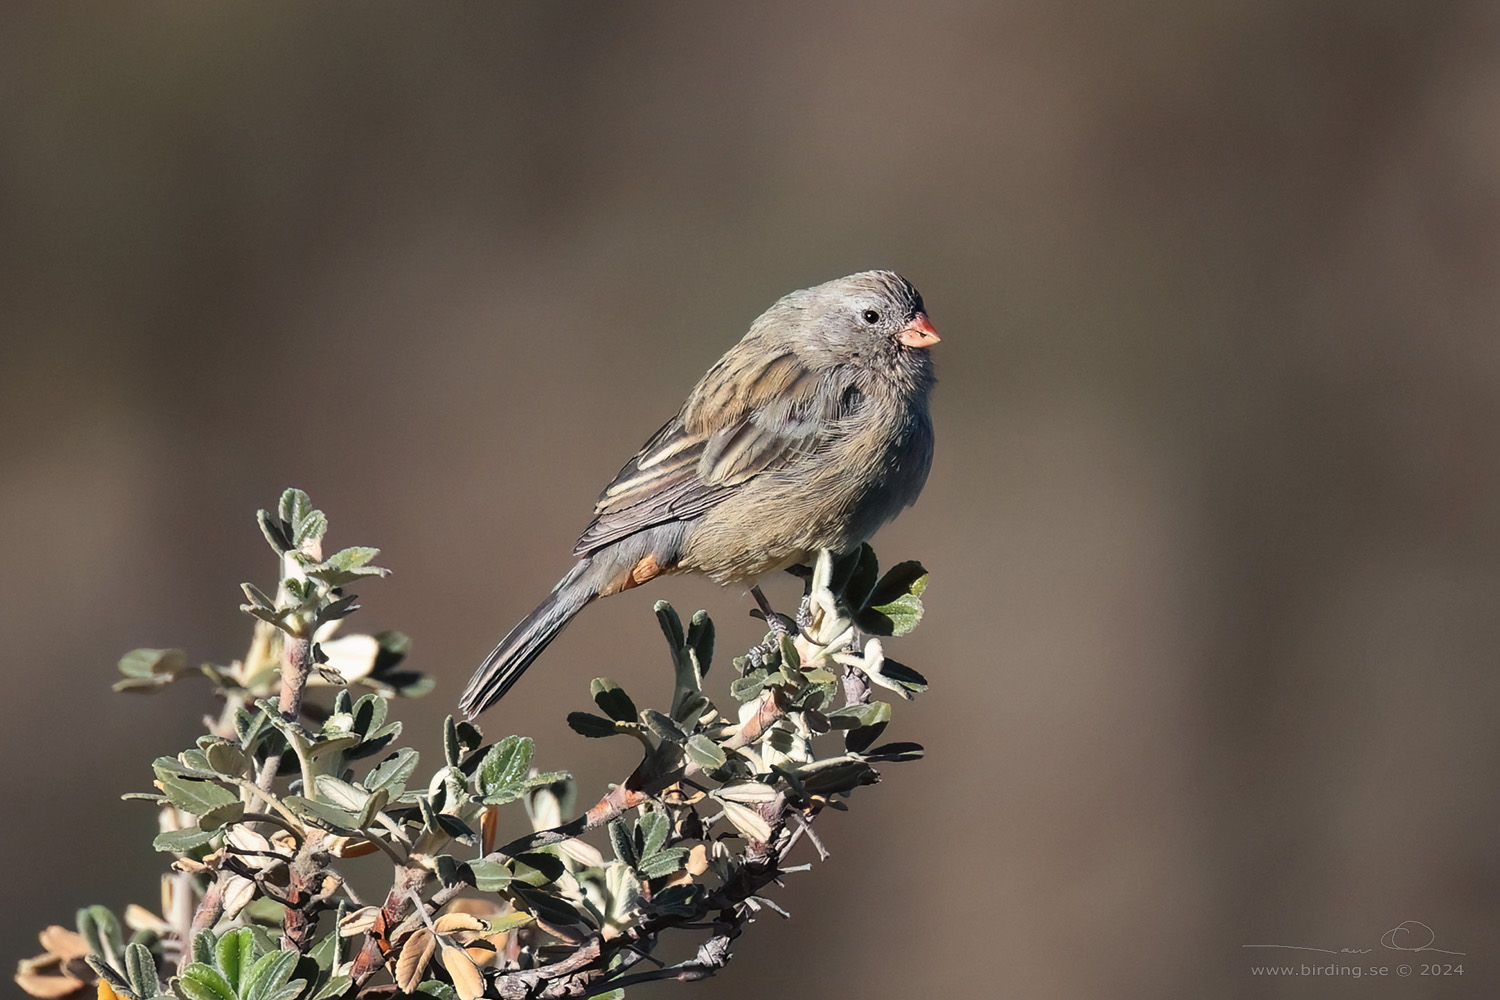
(358, 922)
(415, 954)
(467, 979)
(489, 825)
(351, 847)
(748, 822)
(63, 943)
(450, 923)
(239, 892)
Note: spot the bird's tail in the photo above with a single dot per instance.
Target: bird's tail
(520, 648)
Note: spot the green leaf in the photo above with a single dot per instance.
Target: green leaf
(201, 982)
(612, 700)
(275, 532)
(837, 776)
(853, 716)
(743, 689)
(336, 987)
(452, 751)
(234, 955)
(140, 685)
(204, 943)
(347, 565)
(896, 752)
(700, 639)
(549, 907)
(663, 862)
(457, 829)
(872, 723)
(220, 816)
(671, 625)
(504, 766)
(895, 607)
(271, 977)
(153, 662)
(652, 830)
(339, 793)
(857, 581)
(490, 876)
(249, 725)
(322, 815)
(311, 528)
(437, 988)
(140, 970)
(537, 869)
(390, 775)
(623, 843)
(677, 900)
(592, 726)
(705, 752)
(351, 558)
(194, 796)
(325, 954)
(182, 841)
(902, 580)
(223, 756)
(791, 660)
(662, 727)
(899, 677)
(510, 793)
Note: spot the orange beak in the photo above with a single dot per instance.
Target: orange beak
(919, 332)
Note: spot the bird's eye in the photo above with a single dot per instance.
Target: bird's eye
(871, 316)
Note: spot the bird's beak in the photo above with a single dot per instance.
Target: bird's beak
(919, 332)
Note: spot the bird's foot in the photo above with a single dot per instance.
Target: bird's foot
(780, 624)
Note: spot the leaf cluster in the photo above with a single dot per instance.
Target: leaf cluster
(266, 810)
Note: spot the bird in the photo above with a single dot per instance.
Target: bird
(810, 433)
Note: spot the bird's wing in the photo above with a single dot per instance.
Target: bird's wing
(745, 417)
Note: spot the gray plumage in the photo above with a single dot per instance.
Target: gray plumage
(810, 433)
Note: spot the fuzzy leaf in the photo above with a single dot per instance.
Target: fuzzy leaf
(623, 843)
(505, 765)
(612, 700)
(153, 662)
(652, 830)
(537, 869)
(271, 977)
(592, 726)
(201, 982)
(705, 752)
(747, 821)
(895, 752)
(490, 876)
(671, 625)
(662, 727)
(899, 678)
(234, 955)
(140, 969)
(390, 774)
(192, 795)
(895, 607)
(663, 862)
(700, 639)
(182, 841)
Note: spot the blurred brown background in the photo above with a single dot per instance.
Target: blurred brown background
(1214, 523)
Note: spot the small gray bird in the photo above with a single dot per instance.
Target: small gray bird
(809, 434)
